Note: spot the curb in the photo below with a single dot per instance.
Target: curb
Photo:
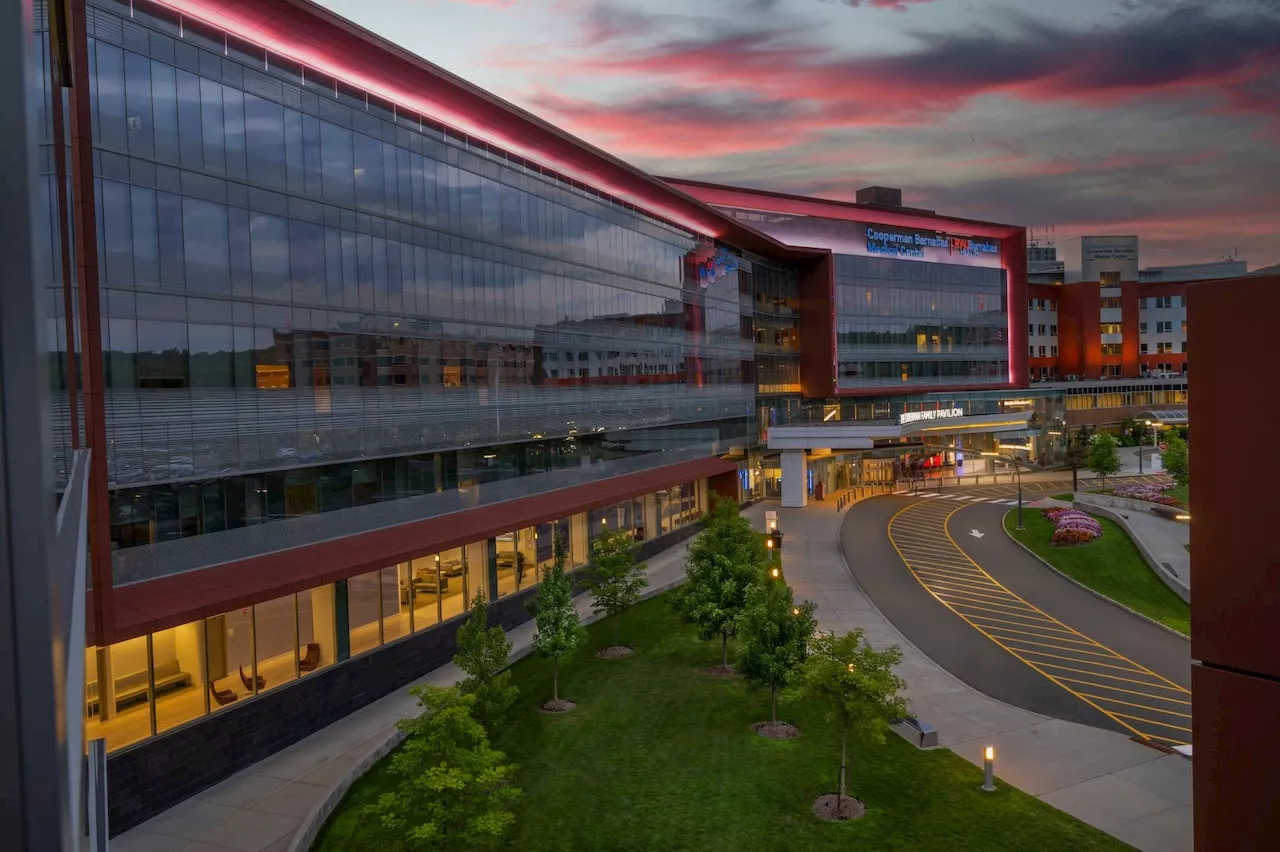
(309, 829)
(1097, 594)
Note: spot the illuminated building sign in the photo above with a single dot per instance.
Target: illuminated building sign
(868, 239)
(932, 414)
(925, 245)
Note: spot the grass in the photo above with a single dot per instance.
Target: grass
(1182, 493)
(660, 757)
(1068, 497)
(1110, 565)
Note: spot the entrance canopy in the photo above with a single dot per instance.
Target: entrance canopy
(862, 434)
(1164, 416)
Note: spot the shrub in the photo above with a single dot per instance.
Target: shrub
(1071, 526)
(1147, 493)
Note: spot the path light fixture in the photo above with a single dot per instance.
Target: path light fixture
(774, 573)
(989, 769)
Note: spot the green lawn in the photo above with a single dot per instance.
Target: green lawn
(660, 757)
(1110, 565)
(1181, 492)
(1068, 497)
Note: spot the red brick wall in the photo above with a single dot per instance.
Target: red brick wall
(1235, 570)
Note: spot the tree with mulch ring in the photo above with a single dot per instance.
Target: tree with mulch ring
(774, 634)
(559, 631)
(862, 695)
(616, 581)
(725, 559)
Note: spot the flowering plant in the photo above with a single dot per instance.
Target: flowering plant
(1071, 526)
(1147, 493)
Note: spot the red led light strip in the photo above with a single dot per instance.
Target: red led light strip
(223, 16)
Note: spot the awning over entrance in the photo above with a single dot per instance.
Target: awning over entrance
(1164, 416)
(862, 434)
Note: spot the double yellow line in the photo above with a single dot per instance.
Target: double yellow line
(947, 573)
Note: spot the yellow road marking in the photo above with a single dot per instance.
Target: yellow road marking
(1060, 648)
(1086, 662)
(1139, 706)
(1153, 722)
(1020, 624)
(917, 548)
(1114, 677)
(1129, 691)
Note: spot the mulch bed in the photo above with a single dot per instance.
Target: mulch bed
(721, 671)
(560, 705)
(615, 652)
(776, 730)
(824, 807)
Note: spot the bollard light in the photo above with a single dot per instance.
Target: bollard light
(989, 769)
(774, 573)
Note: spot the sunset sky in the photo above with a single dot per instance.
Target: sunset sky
(1152, 117)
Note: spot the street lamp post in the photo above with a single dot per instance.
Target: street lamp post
(1017, 471)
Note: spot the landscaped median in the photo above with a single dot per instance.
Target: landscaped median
(658, 755)
(1110, 564)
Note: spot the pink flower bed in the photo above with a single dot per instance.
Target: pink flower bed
(1071, 526)
(1147, 493)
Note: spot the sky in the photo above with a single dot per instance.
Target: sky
(1159, 118)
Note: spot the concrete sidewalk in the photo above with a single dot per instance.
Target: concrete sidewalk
(1132, 792)
(1164, 539)
(262, 808)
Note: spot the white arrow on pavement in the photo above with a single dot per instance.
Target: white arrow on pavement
(976, 534)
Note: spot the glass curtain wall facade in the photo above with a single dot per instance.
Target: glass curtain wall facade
(904, 323)
(312, 299)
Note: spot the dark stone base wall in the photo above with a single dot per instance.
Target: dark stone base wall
(160, 772)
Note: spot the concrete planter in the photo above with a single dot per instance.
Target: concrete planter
(1126, 504)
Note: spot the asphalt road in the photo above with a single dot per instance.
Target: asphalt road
(1008, 626)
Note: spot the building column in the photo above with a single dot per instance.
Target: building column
(477, 561)
(704, 505)
(579, 545)
(324, 625)
(795, 484)
(651, 529)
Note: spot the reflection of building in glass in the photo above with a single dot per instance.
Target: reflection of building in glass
(358, 366)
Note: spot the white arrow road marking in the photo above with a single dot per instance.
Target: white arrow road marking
(976, 534)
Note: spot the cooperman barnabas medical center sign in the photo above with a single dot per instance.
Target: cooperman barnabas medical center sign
(926, 245)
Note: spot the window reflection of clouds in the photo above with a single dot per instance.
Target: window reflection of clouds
(470, 250)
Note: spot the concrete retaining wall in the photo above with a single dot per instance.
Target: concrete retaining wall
(1125, 504)
(1170, 579)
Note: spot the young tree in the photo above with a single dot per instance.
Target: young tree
(1104, 458)
(857, 684)
(453, 791)
(1176, 460)
(774, 635)
(724, 560)
(559, 631)
(614, 577)
(483, 655)
(1077, 455)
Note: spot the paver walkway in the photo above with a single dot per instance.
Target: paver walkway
(1137, 794)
